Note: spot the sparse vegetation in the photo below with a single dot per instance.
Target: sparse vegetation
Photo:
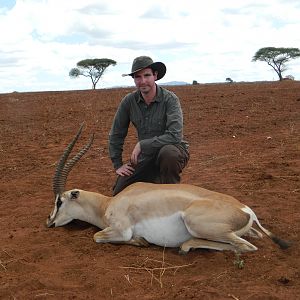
(277, 57)
(229, 80)
(92, 68)
(289, 77)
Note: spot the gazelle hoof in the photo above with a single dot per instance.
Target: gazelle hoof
(182, 252)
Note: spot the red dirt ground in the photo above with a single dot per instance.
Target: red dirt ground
(244, 141)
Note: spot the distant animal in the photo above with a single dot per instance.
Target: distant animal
(167, 215)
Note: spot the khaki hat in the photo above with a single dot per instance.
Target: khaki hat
(143, 62)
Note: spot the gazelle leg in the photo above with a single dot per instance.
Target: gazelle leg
(254, 233)
(236, 244)
(240, 244)
(110, 235)
(200, 243)
(216, 234)
(138, 241)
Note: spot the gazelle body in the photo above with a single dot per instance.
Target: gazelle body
(168, 215)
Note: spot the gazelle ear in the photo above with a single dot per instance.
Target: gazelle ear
(74, 195)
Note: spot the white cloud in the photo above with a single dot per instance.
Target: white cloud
(41, 40)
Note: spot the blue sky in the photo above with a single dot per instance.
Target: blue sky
(41, 40)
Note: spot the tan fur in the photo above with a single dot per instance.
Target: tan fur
(171, 215)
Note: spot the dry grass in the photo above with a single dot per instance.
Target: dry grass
(156, 268)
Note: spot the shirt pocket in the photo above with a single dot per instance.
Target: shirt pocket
(140, 126)
(157, 125)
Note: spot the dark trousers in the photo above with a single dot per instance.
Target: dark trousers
(164, 167)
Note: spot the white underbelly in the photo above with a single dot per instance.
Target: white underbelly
(167, 231)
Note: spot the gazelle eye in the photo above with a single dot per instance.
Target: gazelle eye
(58, 203)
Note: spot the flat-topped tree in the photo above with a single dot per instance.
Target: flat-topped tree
(277, 57)
(92, 68)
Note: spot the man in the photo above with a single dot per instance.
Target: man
(160, 153)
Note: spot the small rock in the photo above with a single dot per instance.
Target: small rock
(283, 280)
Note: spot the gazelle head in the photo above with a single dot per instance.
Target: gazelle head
(65, 207)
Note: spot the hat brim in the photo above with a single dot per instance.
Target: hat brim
(157, 66)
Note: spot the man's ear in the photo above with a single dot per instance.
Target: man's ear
(74, 194)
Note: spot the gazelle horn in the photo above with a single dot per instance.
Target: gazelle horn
(63, 167)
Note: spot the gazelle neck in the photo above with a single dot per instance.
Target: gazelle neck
(94, 206)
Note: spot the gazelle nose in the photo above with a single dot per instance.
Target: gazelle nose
(49, 224)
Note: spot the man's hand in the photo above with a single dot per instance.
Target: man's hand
(128, 168)
(135, 154)
(125, 170)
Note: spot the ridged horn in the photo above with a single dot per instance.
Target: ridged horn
(63, 168)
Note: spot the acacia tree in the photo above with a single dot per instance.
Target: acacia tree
(276, 57)
(92, 68)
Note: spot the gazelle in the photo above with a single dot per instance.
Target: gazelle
(168, 215)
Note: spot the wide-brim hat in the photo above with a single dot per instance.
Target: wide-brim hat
(143, 62)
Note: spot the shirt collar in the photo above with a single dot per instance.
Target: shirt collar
(157, 98)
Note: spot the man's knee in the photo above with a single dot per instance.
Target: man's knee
(172, 156)
(168, 153)
(171, 160)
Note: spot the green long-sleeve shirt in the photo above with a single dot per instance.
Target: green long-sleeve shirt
(157, 124)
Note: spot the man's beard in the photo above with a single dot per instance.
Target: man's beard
(145, 91)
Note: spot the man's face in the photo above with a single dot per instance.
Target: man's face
(145, 80)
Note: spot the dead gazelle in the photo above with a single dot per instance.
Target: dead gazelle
(168, 215)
